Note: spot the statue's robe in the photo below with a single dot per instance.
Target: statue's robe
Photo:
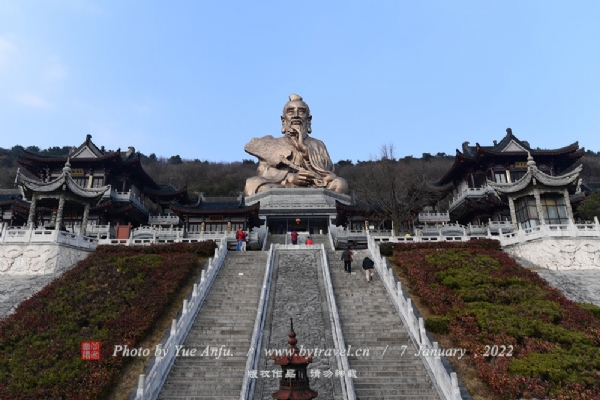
(272, 171)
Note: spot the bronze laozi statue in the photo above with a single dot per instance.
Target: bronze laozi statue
(295, 160)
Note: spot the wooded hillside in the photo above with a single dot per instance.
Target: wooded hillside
(222, 179)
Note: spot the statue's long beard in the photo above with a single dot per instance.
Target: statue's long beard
(298, 140)
(300, 144)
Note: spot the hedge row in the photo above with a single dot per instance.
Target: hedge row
(482, 297)
(114, 296)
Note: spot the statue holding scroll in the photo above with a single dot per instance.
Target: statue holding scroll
(295, 160)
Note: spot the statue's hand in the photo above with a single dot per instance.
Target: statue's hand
(328, 176)
(301, 178)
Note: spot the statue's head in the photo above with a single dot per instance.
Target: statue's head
(296, 118)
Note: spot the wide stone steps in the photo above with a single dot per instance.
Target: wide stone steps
(369, 321)
(275, 239)
(224, 324)
(321, 239)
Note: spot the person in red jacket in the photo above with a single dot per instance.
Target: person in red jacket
(244, 240)
(294, 236)
(239, 235)
(309, 240)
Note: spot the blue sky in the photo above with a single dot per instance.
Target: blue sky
(201, 78)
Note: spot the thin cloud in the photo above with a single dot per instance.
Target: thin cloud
(32, 100)
(54, 70)
(7, 49)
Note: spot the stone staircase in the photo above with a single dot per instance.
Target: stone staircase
(275, 239)
(317, 239)
(224, 323)
(370, 321)
(321, 239)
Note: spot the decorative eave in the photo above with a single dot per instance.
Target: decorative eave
(187, 210)
(135, 166)
(26, 155)
(460, 160)
(570, 149)
(168, 193)
(440, 188)
(357, 209)
(472, 155)
(62, 183)
(535, 175)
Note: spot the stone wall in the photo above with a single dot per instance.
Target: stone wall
(38, 259)
(26, 268)
(555, 253)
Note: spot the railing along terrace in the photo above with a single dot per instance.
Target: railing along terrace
(550, 230)
(493, 226)
(470, 192)
(446, 383)
(149, 385)
(433, 217)
(76, 240)
(476, 229)
(92, 229)
(129, 197)
(163, 220)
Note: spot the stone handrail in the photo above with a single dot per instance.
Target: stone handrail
(257, 334)
(336, 328)
(447, 384)
(550, 230)
(163, 220)
(338, 338)
(128, 196)
(41, 236)
(434, 216)
(476, 229)
(470, 192)
(148, 386)
(333, 231)
(265, 241)
(351, 232)
(331, 242)
(76, 240)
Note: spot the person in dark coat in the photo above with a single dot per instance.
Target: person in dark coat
(347, 256)
(294, 236)
(369, 267)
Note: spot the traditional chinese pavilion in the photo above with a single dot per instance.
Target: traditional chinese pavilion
(126, 185)
(474, 200)
(13, 209)
(218, 214)
(538, 198)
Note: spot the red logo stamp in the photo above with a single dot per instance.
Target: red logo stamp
(90, 350)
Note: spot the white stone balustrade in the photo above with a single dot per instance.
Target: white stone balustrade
(45, 236)
(257, 333)
(447, 383)
(504, 225)
(504, 230)
(163, 220)
(476, 229)
(149, 385)
(128, 197)
(470, 192)
(434, 217)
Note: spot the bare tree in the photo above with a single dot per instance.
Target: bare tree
(396, 190)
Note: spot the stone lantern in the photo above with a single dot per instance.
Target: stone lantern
(296, 387)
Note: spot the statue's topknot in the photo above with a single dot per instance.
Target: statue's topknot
(295, 97)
